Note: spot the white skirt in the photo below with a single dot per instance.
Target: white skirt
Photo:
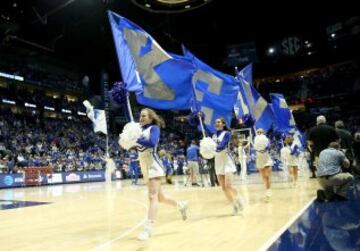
(263, 160)
(150, 166)
(224, 163)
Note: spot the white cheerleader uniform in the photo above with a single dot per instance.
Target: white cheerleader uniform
(263, 158)
(288, 158)
(224, 163)
(150, 162)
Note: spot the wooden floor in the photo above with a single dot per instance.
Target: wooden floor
(96, 216)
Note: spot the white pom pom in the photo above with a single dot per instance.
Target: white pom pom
(207, 148)
(130, 134)
(261, 142)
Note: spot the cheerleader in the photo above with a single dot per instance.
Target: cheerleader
(263, 159)
(224, 164)
(152, 170)
(289, 155)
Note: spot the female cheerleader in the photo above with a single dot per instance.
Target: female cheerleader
(263, 159)
(152, 170)
(224, 164)
(289, 154)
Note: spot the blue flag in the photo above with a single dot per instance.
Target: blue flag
(284, 119)
(258, 107)
(247, 74)
(214, 92)
(158, 80)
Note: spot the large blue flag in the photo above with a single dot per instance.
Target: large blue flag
(259, 108)
(284, 119)
(159, 80)
(215, 92)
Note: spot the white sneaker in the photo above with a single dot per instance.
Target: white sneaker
(236, 209)
(183, 206)
(267, 195)
(239, 203)
(146, 234)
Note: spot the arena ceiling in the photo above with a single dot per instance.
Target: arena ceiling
(78, 30)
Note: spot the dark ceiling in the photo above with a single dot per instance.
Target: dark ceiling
(78, 30)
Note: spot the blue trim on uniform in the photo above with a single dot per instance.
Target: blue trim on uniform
(153, 138)
(222, 145)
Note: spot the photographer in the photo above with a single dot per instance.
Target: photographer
(330, 176)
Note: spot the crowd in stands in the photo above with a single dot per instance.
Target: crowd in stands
(65, 145)
(71, 145)
(307, 87)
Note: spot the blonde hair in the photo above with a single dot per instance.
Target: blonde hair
(260, 130)
(289, 139)
(155, 118)
(162, 153)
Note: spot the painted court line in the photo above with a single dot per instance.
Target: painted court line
(121, 236)
(277, 235)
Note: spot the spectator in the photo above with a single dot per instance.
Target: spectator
(334, 182)
(319, 137)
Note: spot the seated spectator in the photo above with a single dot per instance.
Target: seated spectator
(331, 178)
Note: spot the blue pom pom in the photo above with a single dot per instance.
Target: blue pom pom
(193, 118)
(248, 121)
(118, 93)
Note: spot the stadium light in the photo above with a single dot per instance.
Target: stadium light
(81, 113)
(10, 76)
(333, 35)
(7, 101)
(30, 105)
(65, 111)
(271, 50)
(49, 108)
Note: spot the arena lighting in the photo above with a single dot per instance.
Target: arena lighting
(65, 111)
(10, 76)
(49, 108)
(333, 35)
(170, 6)
(271, 50)
(81, 113)
(6, 101)
(306, 42)
(309, 53)
(30, 105)
(308, 45)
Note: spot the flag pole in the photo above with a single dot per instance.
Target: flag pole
(128, 105)
(201, 125)
(107, 146)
